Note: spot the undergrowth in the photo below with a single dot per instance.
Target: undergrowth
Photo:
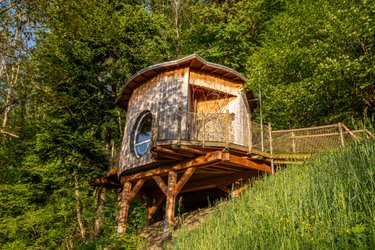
(329, 202)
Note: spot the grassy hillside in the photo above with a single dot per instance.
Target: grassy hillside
(327, 203)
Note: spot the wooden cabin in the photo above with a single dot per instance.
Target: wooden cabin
(187, 133)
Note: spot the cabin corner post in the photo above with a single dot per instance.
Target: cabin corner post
(170, 203)
(124, 208)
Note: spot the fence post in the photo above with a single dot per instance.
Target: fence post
(227, 129)
(341, 135)
(293, 142)
(249, 133)
(271, 147)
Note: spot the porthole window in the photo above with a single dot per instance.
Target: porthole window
(142, 134)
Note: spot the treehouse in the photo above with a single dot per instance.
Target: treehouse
(187, 134)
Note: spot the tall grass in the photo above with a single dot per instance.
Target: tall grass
(327, 203)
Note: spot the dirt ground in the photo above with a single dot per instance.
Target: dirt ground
(157, 239)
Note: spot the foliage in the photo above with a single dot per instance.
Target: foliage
(327, 203)
(316, 63)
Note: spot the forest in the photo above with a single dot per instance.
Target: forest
(63, 63)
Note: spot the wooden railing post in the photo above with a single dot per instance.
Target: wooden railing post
(271, 146)
(204, 131)
(227, 129)
(179, 118)
(341, 135)
(249, 133)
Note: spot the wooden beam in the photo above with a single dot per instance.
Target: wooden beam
(224, 189)
(217, 166)
(221, 180)
(104, 182)
(181, 183)
(171, 202)
(135, 189)
(190, 149)
(168, 156)
(237, 161)
(172, 152)
(154, 207)
(202, 160)
(239, 190)
(161, 184)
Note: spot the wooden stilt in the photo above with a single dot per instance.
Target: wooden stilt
(171, 202)
(127, 196)
(124, 208)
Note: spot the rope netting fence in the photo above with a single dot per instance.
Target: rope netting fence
(304, 140)
(307, 140)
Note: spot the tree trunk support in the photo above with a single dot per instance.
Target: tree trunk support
(127, 195)
(171, 203)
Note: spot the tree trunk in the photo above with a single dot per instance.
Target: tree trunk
(78, 206)
(13, 77)
(99, 209)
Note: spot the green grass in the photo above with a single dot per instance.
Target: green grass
(327, 203)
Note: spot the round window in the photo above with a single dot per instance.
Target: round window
(142, 136)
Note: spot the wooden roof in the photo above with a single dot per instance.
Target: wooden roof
(193, 61)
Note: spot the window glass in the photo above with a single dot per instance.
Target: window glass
(143, 134)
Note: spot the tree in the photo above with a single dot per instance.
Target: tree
(316, 63)
(81, 59)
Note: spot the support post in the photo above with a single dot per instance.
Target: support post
(249, 133)
(271, 146)
(171, 203)
(127, 196)
(124, 208)
(341, 135)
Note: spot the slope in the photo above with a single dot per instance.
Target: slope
(329, 202)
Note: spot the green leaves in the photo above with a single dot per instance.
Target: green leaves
(315, 54)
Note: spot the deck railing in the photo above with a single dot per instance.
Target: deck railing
(223, 128)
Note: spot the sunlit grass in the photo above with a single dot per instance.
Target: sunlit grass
(327, 203)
